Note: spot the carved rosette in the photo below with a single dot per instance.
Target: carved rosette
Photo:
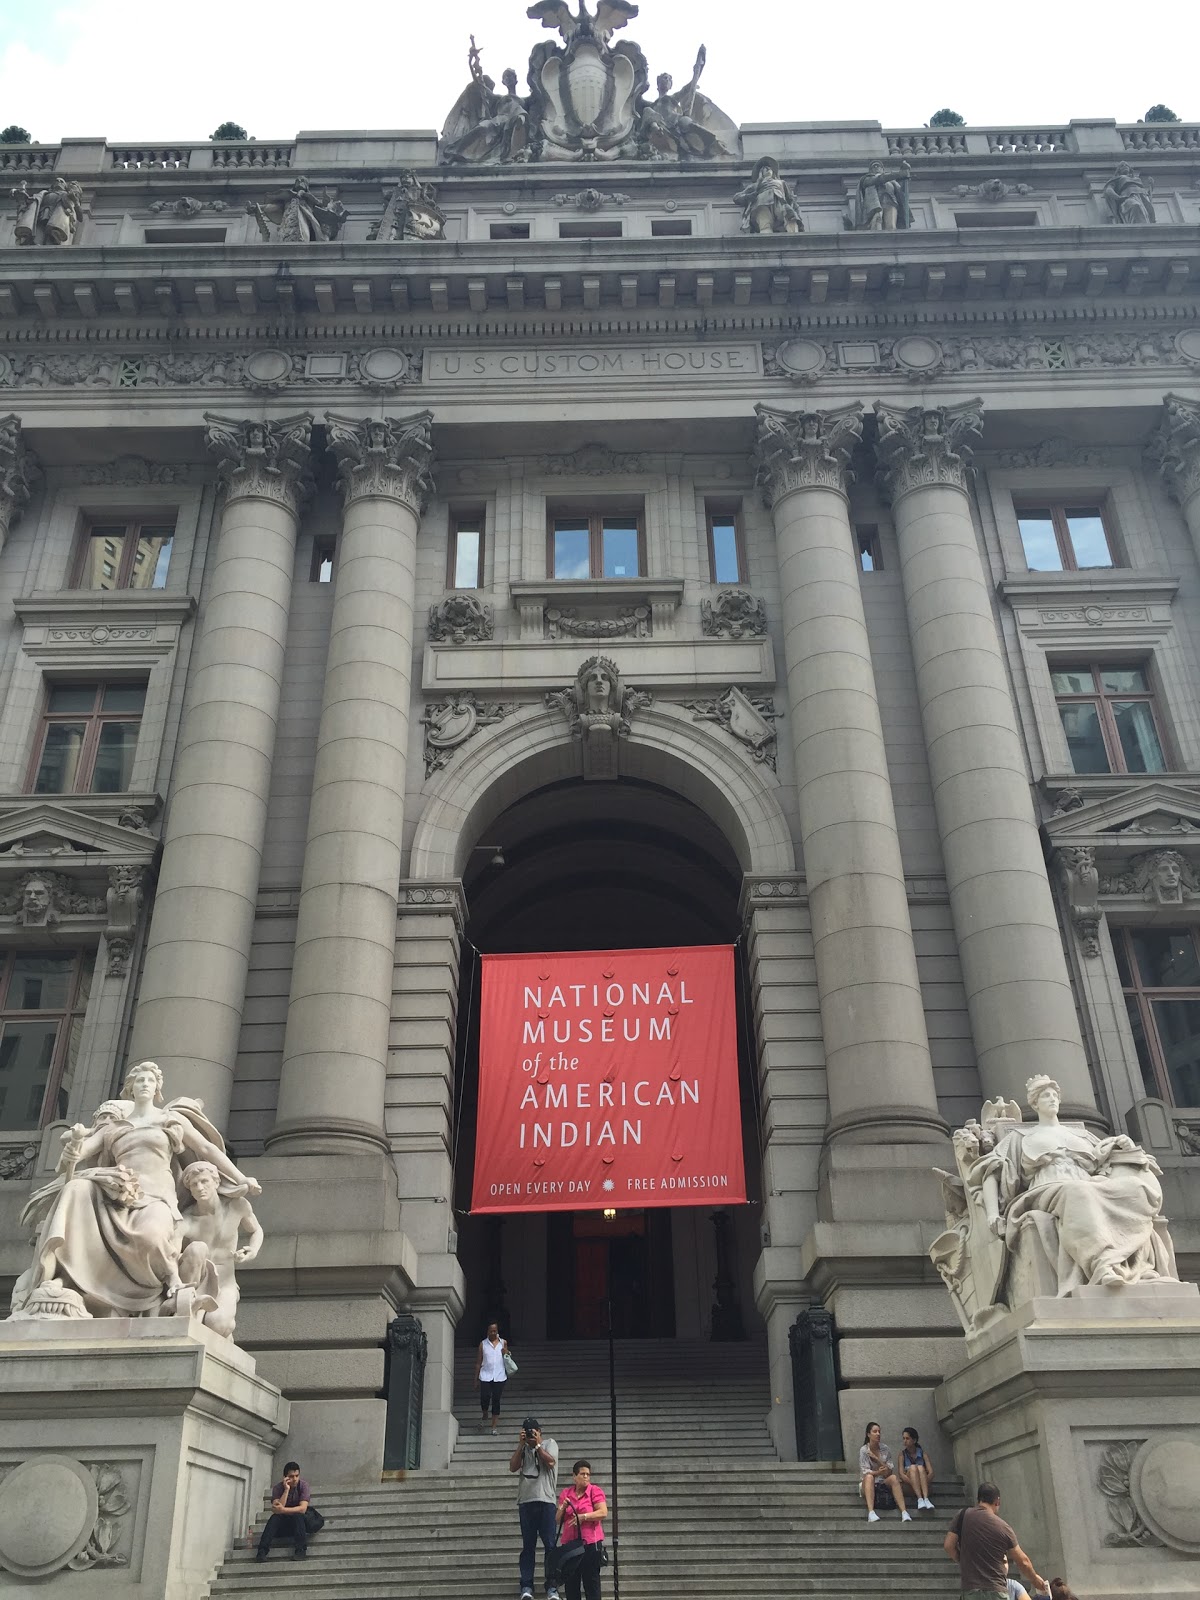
(804, 449)
(263, 460)
(459, 618)
(384, 458)
(19, 472)
(920, 447)
(1175, 446)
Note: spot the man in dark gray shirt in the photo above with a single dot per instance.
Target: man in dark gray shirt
(979, 1540)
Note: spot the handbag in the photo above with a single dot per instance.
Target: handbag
(564, 1558)
(313, 1521)
(510, 1366)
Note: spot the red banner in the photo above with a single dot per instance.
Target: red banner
(608, 1078)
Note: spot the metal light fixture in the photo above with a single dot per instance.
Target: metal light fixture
(497, 854)
(610, 1214)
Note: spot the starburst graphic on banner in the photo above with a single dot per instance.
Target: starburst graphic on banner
(608, 1185)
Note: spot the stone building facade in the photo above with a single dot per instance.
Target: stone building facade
(869, 458)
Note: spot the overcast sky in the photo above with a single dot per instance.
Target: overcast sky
(168, 69)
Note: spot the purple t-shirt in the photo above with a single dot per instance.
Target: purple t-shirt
(291, 1497)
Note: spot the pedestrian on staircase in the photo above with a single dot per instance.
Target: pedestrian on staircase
(582, 1509)
(983, 1544)
(536, 1460)
(491, 1374)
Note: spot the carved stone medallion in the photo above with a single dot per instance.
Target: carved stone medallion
(48, 1509)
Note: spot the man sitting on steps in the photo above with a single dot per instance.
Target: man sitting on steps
(289, 1503)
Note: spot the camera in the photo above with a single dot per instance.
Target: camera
(530, 1426)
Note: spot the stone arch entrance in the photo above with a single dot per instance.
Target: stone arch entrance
(656, 857)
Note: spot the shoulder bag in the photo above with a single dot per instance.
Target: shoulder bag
(510, 1366)
(565, 1558)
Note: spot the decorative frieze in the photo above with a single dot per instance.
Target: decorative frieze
(450, 723)
(388, 457)
(1163, 877)
(570, 622)
(263, 460)
(804, 449)
(591, 461)
(919, 447)
(1175, 446)
(734, 614)
(993, 189)
(460, 617)
(42, 899)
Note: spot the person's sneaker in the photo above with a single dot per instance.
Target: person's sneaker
(872, 1516)
(905, 1517)
(526, 1594)
(299, 1555)
(551, 1594)
(921, 1502)
(929, 1506)
(262, 1555)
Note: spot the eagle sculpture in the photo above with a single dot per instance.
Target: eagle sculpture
(610, 15)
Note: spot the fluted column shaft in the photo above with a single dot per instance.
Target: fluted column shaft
(880, 1078)
(331, 1091)
(1014, 970)
(1176, 447)
(194, 979)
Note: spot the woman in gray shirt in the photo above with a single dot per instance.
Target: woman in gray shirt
(875, 1466)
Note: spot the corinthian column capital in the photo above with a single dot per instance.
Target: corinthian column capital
(918, 446)
(19, 472)
(390, 457)
(805, 449)
(263, 460)
(1175, 445)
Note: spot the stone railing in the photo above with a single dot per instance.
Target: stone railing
(1025, 141)
(160, 158)
(927, 142)
(251, 156)
(28, 157)
(1161, 136)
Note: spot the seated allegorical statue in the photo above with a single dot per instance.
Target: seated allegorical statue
(1047, 1208)
(109, 1232)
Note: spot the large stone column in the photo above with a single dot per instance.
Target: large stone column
(194, 979)
(1018, 993)
(1175, 445)
(880, 1079)
(335, 1049)
(19, 472)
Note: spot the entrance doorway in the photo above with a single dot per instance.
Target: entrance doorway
(588, 1254)
(588, 866)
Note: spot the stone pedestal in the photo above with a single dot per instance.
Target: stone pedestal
(133, 1453)
(1086, 1413)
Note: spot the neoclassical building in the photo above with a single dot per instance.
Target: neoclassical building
(869, 463)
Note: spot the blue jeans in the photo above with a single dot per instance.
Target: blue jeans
(537, 1521)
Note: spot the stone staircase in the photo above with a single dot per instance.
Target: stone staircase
(705, 1506)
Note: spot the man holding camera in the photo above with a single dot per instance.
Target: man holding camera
(536, 1459)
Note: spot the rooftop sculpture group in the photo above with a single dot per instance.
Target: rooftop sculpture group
(147, 1217)
(587, 101)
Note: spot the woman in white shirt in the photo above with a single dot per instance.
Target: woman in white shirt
(491, 1375)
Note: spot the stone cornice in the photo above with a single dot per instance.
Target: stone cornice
(919, 447)
(19, 472)
(390, 458)
(804, 449)
(1175, 446)
(263, 460)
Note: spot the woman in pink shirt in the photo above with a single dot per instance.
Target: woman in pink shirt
(582, 1509)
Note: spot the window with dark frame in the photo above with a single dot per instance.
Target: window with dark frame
(1160, 979)
(596, 544)
(324, 550)
(465, 559)
(726, 546)
(123, 555)
(43, 996)
(870, 558)
(1065, 536)
(1109, 718)
(87, 738)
